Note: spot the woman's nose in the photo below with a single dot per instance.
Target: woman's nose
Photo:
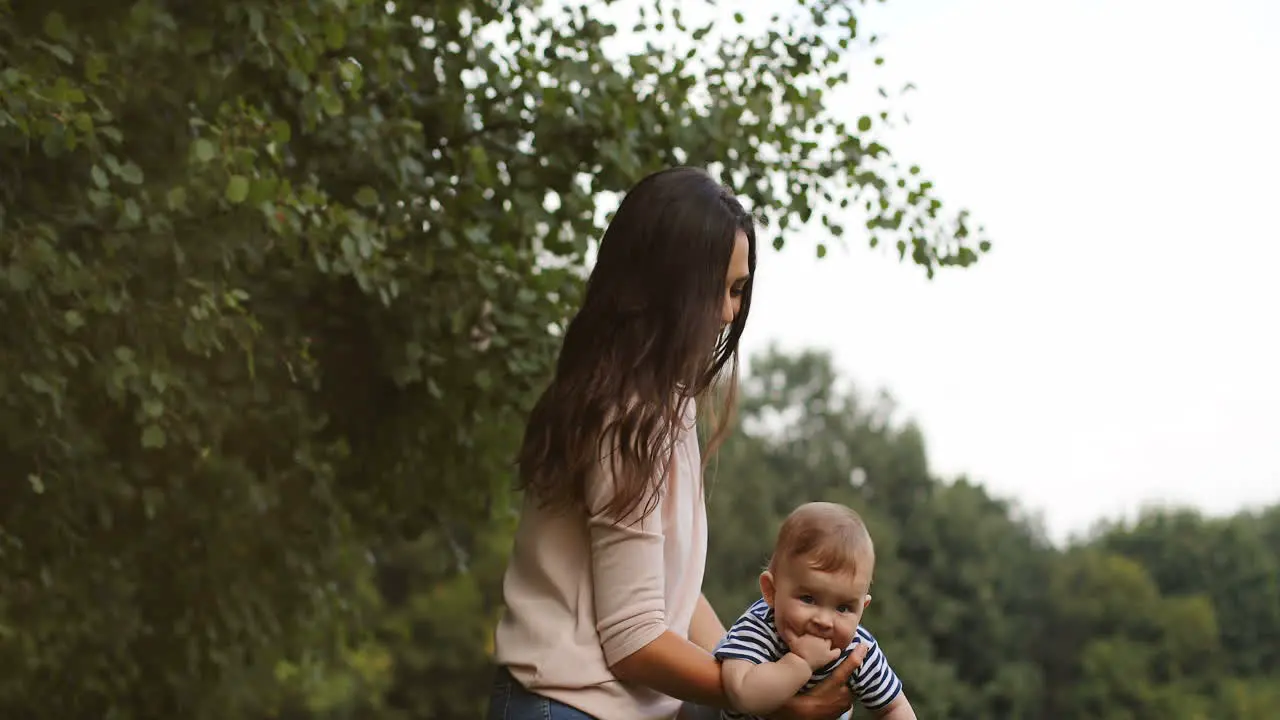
(728, 311)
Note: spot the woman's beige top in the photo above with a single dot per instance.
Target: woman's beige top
(582, 594)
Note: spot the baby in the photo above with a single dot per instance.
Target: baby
(807, 621)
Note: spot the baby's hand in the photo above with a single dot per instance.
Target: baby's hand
(814, 650)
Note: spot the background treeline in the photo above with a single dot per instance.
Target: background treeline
(278, 281)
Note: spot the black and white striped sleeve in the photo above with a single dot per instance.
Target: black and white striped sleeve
(751, 639)
(875, 684)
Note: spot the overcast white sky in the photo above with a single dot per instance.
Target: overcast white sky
(1121, 344)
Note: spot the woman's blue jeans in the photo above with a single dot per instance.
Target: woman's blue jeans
(510, 701)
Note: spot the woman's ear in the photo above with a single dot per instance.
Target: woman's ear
(767, 587)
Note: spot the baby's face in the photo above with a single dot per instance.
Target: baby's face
(806, 601)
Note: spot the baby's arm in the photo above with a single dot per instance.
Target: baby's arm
(899, 709)
(759, 689)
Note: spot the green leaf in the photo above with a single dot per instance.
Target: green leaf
(99, 176)
(366, 197)
(864, 123)
(99, 198)
(256, 20)
(176, 198)
(822, 250)
(64, 55)
(480, 165)
(335, 35)
(332, 104)
(132, 212)
(131, 173)
(153, 407)
(55, 26)
(94, 67)
(280, 131)
(19, 278)
(153, 437)
(204, 150)
(237, 189)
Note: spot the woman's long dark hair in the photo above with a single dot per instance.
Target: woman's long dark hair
(647, 341)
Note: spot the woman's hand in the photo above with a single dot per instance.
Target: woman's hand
(828, 699)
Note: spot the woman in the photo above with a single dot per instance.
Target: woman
(604, 612)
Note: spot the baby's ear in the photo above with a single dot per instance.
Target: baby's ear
(767, 587)
(866, 602)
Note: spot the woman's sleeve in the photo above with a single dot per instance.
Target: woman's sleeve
(628, 571)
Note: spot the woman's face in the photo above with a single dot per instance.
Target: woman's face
(736, 279)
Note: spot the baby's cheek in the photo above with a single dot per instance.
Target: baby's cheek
(847, 632)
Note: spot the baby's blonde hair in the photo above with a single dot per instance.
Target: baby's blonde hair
(829, 537)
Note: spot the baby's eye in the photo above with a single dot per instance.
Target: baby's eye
(806, 599)
(845, 609)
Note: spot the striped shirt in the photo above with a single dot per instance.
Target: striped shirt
(755, 638)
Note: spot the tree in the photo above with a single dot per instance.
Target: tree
(1132, 653)
(277, 280)
(1227, 559)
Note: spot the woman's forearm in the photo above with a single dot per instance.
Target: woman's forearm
(676, 667)
(705, 629)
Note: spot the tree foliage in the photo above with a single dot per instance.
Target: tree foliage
(279, 280)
